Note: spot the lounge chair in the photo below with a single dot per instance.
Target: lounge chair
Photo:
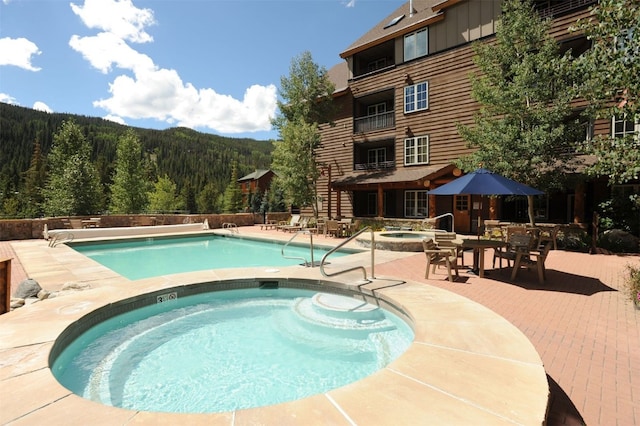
(302, 223)
(292, 222)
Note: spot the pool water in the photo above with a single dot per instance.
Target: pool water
(228, 350)
(157, 256)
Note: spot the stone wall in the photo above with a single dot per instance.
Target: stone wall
(26, 229)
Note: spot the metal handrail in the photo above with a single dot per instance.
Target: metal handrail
(57, 238)
(336, 248)
(453, 223)
(302, 231)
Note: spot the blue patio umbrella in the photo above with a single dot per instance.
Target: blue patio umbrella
(484, 182)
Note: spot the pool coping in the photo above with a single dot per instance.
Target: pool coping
(466, 364)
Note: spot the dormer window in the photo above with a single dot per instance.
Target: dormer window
(416, 44)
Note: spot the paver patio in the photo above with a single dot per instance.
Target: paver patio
(581, 323)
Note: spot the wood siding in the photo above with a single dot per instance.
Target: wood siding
(447, 69)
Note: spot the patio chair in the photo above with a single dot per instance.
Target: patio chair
(532, 259)
(439, 256)
(449, 240)
(300, 224)
(515, 244)
(293, 221)
(549, 234)
(332, 228)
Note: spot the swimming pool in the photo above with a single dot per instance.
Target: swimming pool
(156, 256)
(227, 350)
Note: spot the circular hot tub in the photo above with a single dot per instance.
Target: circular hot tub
(396, 240)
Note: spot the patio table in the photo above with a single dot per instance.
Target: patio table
(479, 246)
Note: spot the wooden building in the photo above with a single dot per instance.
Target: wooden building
(258, 181)
(401, 90)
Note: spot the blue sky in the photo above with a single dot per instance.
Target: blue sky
(211, 65)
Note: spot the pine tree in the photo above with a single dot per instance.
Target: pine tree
(73, 187)
(129, 189)
(233, 195)
(32, 196)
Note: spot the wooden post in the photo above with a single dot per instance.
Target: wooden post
(5, 285)
(579, 203)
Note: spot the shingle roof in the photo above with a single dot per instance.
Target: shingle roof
(339, 76)
(254, 176)
(423, 15)
(391, 175)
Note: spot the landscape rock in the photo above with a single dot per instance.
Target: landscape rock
(75, 286)
(43, 294)
(16, 302)
(27, 288)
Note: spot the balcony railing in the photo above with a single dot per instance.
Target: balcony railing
(374, 122)
(375, 166)
(564, 7)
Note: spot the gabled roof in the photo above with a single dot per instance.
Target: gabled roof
(255, 175)
(425, 12)
(339, 76)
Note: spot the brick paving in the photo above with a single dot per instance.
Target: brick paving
(580, 321)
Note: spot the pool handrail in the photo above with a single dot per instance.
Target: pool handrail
(302, 231)
(443, 215)
(60, 238)
(360, 267)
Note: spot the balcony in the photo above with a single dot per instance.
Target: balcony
(370, 123)
(552, 9)
(375, 166)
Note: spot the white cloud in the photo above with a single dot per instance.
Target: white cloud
(114, 118)
(7, 99)
(159, 93)
(162, 95)
(105, 50)
(18, 52)
(118, 17)
(351, 3)
(41, 106)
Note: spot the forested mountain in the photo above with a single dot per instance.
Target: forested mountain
(189, 158)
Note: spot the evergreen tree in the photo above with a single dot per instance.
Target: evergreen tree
(276, 197)
(523, 87)
(34, 182)
(73, 187)
(188, 197)
(306, 102)
(163, 198)
(129, 189)
(207, 200)
(233, 195)
(611, 84)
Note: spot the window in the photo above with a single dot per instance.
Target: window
(416, 97)
(416, 45)
(377, 109)
(416, 150)
(372, 203)
(621, 127)
(376, 156)
(416, 204)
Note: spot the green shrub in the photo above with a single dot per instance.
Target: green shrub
(633, 283)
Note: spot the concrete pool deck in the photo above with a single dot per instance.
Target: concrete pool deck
(465, 385)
